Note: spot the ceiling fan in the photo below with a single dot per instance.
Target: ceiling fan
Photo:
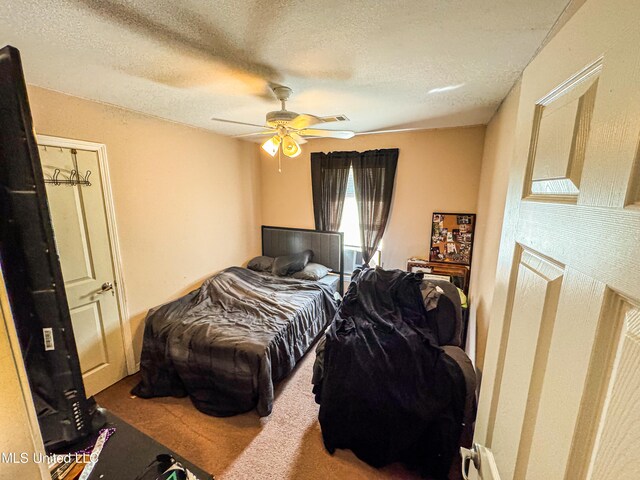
(289, 129)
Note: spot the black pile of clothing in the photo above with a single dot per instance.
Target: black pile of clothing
(387, 389)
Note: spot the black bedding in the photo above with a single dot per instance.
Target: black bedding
(386, 390)
(227, 343)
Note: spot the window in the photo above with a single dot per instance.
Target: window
(350, 223)
(350, 226)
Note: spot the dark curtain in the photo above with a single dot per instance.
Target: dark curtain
(374, 172)
(329, 175)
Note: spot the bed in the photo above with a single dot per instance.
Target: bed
(227, 343)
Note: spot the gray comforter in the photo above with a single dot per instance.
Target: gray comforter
(226, 343)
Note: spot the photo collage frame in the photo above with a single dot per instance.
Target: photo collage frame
(452, 237)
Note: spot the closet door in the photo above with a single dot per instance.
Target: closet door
(81, 229)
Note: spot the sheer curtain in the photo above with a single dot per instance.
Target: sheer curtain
(329, 175)
(374, 173)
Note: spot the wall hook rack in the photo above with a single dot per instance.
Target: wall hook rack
(75, 177)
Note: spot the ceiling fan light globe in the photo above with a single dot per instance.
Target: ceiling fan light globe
(271, 146)
(294, 155)
(290, 147)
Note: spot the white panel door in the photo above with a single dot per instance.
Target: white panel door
(561, 389)
(80, 227)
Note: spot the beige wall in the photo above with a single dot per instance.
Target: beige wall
(494, 179)
(20, 433)
(186, 200)
(437, 170)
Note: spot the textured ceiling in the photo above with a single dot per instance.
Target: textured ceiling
(384, 64)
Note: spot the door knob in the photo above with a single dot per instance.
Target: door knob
(106, 286)
(469, 456)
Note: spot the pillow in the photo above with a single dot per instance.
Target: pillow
(313, 271)
(261, 264)
(288, 264)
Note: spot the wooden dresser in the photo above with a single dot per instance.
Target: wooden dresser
(459, 274)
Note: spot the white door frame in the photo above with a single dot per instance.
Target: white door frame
(101, 151)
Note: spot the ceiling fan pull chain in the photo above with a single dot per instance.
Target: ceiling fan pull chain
(279, 160)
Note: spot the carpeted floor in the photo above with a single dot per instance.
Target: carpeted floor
(285, 445)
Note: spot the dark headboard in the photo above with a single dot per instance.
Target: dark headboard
(327, 247)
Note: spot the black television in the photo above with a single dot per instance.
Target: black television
(33, 276)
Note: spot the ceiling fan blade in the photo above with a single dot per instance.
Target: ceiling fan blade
(299, 140)
(265, 132)
(239, 123)
(316, 132)
(304, 120)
